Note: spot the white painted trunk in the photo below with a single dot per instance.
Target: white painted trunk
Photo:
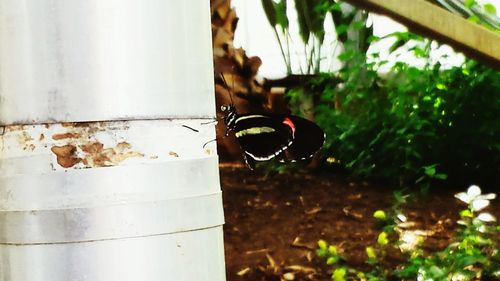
(105, 107)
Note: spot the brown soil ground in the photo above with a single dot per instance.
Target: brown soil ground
(273, 223)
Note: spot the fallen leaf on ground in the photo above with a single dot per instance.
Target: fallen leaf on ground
(300, 268)
(272, 263)
(251, 252)
(289, 276)
(313, 211)
(297, 243)
(243, 271)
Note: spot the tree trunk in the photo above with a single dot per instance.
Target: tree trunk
(105, 107)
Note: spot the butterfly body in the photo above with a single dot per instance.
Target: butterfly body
(265, 136)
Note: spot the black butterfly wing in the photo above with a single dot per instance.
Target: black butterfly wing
(308, 139)
(262, 137)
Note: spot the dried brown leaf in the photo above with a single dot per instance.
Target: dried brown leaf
(244, 271)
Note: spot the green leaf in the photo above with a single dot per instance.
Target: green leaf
(419, 52)
(310, 20)
(430, 170)
(437, 102)
(490, 9)
(382, 239)
(361, 275)
(370, 252)
(340, 18)
(336, 7)
(304, 31)
(379, 214)
(358, 25)
(345, 56)
(332, 250)
(474, 19)
(281, 16)
(466, 213)
(316, 19)
(270, 12)
(321, 253)
(339, 274)
(470, 260)
(373, 38)
(341, 29)
(396, 45)
(322, 244)
(469, 3)
(441, 86)
(332, 260)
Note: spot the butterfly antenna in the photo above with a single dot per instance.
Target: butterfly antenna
(208, 142)
(227, 88)
(214, 121)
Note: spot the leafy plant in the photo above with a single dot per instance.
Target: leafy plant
(473, 254)
(276, 15)
(412, 125)
(350, 24)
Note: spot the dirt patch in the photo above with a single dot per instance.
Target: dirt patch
(274, 222)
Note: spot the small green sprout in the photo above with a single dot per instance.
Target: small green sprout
(473, 255)
(332, 250)
(322, 244)
(339, 274)
(370, 252)
(380, 215)
(382, 239)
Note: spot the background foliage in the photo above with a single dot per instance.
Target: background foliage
(410, 125)
(349, 25)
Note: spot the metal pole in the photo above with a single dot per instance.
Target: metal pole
(105, 107)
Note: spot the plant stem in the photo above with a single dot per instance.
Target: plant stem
(287, 63)
(318, 57)
(287, 37)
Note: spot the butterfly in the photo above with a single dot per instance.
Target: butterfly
(263, 137)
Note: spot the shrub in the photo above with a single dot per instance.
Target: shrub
(414, 125)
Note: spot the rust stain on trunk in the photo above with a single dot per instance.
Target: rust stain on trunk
(88, 127)
(25, 141)
(95, 156)
(14, 128)
(98, 156)
(123, 146)
(66, 155)
(66, 136)
(77, 145)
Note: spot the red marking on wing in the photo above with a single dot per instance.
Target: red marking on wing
(287, 121)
